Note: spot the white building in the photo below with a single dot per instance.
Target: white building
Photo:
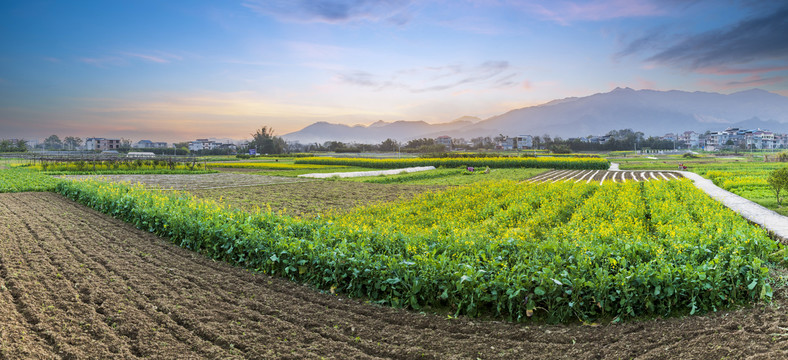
(525, 141)
(690, 139)
(102, 144)
(203, 144)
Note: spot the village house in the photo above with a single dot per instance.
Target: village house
(147, 144)
(203, 144)
(102, 144)
(444, 140)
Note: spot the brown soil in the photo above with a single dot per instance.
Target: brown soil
(77, 284)
(312, 197)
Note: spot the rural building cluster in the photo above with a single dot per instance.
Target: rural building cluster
(730, 138)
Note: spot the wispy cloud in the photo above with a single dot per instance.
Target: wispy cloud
(724, 70)
(334, 11)
(567, 12)
(756, 80)
(123, 58)
(744, 83)
(157, 57)
(417, 80)
(749, 42)
(102, 61)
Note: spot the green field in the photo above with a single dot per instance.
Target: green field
(493, 247)
(558, 252)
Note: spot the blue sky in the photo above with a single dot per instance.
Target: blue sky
(178, 70)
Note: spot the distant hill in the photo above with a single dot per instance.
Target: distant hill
(650, 111)
(376, 132)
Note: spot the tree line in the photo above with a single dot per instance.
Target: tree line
(265, 142)
(13, 146)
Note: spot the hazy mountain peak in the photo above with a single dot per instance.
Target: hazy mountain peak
(472, 119)
(653, 112)
(622, 90)
(378, 123)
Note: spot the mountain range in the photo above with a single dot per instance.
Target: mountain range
(653, 112)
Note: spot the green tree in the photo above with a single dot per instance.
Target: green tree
(417, 143)
(53, 143)
(72, 142)
(21, 145)
(778, 181)
(264, 142)
(389, 145)
(6, 146)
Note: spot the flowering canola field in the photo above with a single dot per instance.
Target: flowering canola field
(560, 252)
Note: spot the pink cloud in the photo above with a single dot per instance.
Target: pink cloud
(646, 84)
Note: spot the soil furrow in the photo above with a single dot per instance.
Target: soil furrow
(140, 323)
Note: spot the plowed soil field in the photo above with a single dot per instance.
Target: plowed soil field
(77, 284)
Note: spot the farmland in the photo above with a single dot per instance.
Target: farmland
(77, 283)
(527, 252)
(482, 162)
(743, 176)
(447, 177)
(508, 253)
(78, 165)
(192, 182)
(600, 176)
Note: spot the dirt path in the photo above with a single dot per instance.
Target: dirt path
(77, 284)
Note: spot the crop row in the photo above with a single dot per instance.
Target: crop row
(495, 162)
(20, 179)
(268, 165)
(117, 167)
(556, 251)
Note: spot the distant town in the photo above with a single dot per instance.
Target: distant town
(733, 139)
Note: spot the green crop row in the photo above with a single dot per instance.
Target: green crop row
(554, 251)
(21, 179)
(118, 167)
(496, 162)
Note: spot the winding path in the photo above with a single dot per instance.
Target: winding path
(767, 219)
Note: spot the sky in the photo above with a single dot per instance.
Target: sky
(179, 70)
